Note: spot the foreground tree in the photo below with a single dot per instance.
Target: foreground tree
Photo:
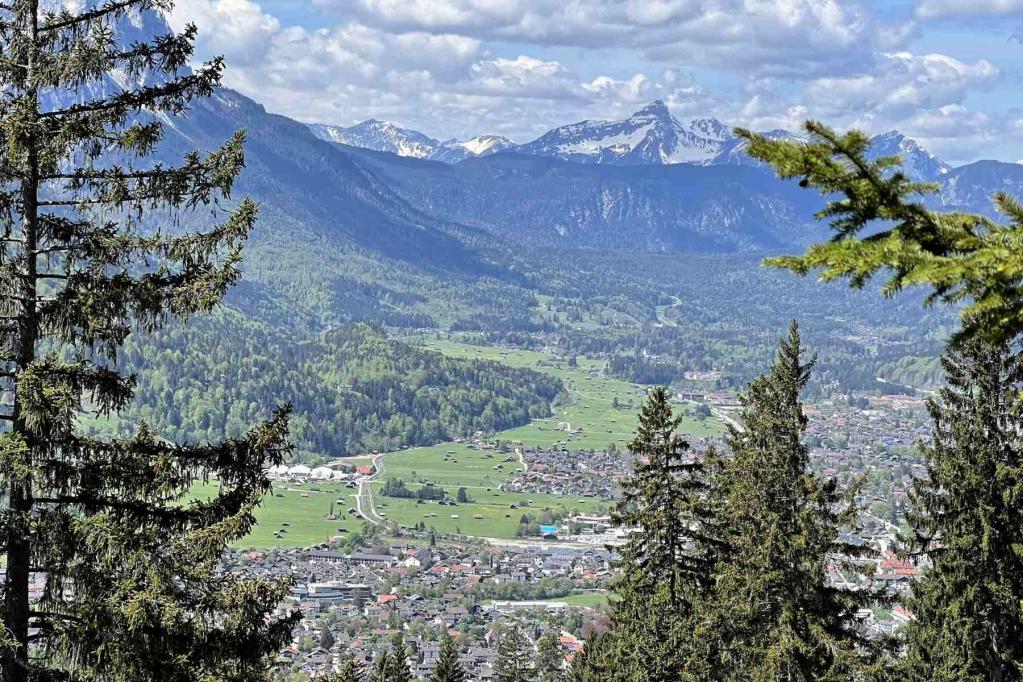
(667, 565)
(663, 499)
(960, 257)
(399, 666)
(91, 248)
(968, 517)
(589, 664)
(381, 668)
(550, 658)
(350, 670)
(514, 657)
(772, 614)
(449, 668)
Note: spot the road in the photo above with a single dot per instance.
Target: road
(728, 419)
(364, 497)
(522, 460)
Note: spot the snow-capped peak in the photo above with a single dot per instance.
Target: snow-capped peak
(383, 136)
(486, 144)
(649, 136)
(917, 162)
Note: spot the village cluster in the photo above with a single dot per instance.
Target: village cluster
(354, 595)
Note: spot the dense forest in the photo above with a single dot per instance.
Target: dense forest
(353, 389)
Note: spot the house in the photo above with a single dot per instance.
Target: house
(361, 559)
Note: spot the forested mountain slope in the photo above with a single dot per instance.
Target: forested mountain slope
(353, 389)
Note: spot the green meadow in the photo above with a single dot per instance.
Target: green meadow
(598, 411)
(303, 508)
(590, 409)
(591, 400)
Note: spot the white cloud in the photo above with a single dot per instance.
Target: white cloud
(935, 9)
(900, 84)
(431, 65)
(794, 37)
(236, 27)
(522, 77)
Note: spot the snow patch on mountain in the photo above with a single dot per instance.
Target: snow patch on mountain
(650, 136)
(384, 136)
(917, 162)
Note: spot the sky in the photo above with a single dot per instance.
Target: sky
(946, 72)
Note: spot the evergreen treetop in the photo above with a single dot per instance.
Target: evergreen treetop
(349, 670)
(514, 657)
(967, 517)
(772, 614)
(962, 258)
(663, 499)
(399, 669)
(550, 656)
(382, 668)
(449, 668)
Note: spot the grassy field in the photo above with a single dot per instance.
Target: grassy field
(591, 408)
(589, 600)
(592, 400)
(304, 508)
(488, 515)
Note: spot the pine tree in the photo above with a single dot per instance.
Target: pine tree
(350, 670)
(550, 657)
(398, 667)
(960, 257)
(967, 516)
(667, 565)
(594, 663)
(326, 637)
(663, 499)
(381, 668)
(449, 668)
(772, 614)
(94, 244)
(514, 657)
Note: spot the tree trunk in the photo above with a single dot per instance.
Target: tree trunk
(19, 546)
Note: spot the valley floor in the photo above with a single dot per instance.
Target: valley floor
(598, 412)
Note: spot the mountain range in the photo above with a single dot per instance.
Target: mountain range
(427, 233)
(597, 223)
(650, 136)
(384, 136)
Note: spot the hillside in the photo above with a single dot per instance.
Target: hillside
(353, 389)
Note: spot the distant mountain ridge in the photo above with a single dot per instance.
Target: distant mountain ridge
(384, 136)
(650, 136)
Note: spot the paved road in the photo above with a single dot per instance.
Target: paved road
(364, 497)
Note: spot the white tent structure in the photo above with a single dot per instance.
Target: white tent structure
(322, 473)
(300, 471)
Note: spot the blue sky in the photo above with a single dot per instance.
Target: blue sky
(947, 72)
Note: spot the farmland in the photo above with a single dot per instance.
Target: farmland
(596, 413)
(303, 507)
